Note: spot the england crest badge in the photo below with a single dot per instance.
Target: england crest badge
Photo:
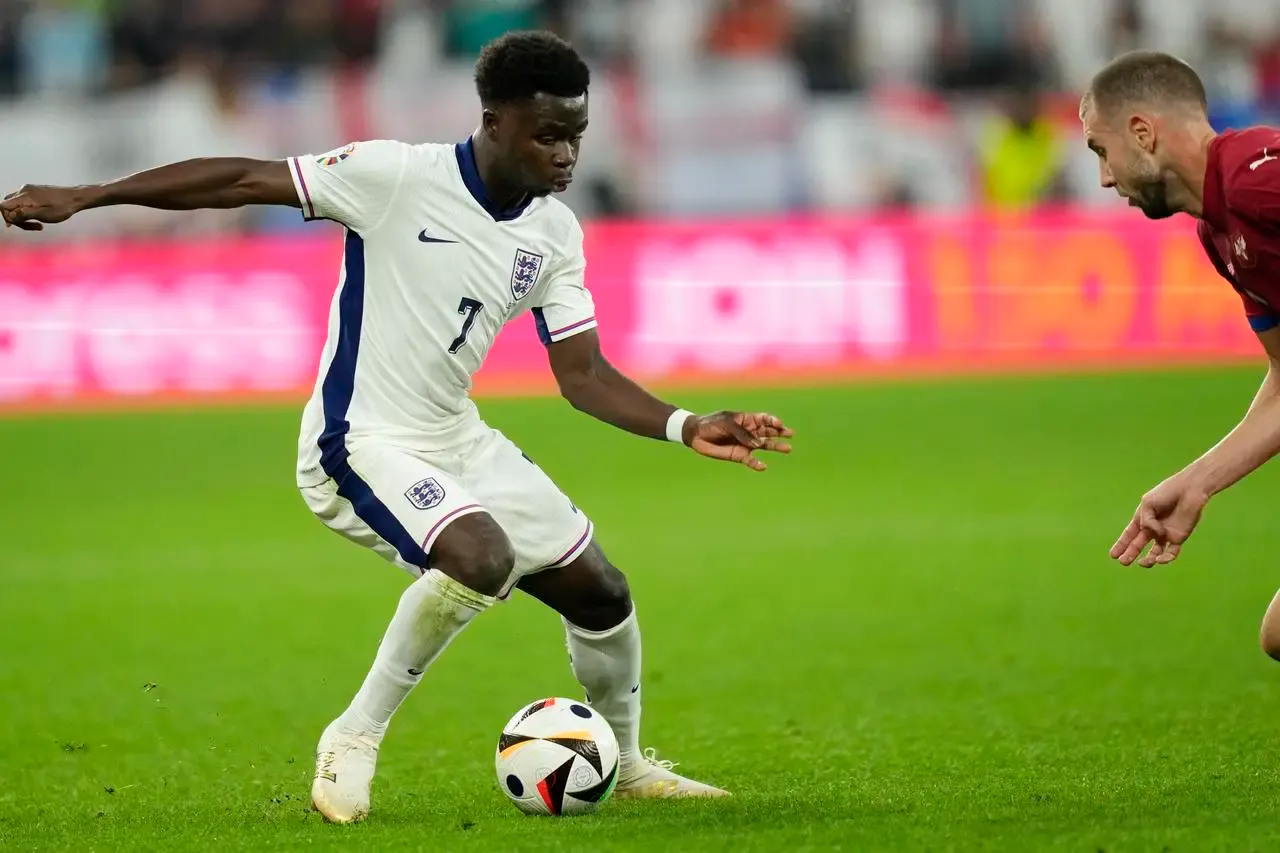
(425, 494)
(524, 273)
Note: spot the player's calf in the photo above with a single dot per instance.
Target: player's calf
(475, 552)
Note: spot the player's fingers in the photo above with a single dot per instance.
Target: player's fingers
(730, 453)
(727, 452)
(24, 224)
(13, 214)
(1150, 522)
(1126, 537)
(774, 423)
(1134, 547)
(1170, 554)
(741, 435)
(1152, 556)
(773, 445)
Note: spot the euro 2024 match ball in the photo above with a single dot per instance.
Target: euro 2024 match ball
(557, 757)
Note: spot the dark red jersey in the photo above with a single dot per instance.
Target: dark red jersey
(1240, 228)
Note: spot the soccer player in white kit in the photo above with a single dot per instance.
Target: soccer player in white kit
(444, 245)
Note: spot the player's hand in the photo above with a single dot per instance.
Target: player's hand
(735, 436)
(31, 206)
(1164, 519)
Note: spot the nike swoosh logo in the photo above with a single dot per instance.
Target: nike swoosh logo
(416, 672)
(427, 238)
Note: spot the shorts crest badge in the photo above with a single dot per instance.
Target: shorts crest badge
(425, 494)
(524, 273)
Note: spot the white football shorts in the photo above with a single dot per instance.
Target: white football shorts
(398, 501)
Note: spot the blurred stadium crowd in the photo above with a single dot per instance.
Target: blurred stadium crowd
(700, 107)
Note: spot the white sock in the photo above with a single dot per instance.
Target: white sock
(607, 665)
(432, 611)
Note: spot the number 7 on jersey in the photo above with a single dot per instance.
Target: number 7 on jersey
(469, 308)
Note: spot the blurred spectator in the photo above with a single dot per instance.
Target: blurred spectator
(469, 24)
(355, 30)
(987, 44)
(63, 47)
(1268, 57)
(823, 45)
(223, 33)
(1020, 157)
(144, 41)
(305, 34)
(10, 33)
(741, 28)
(1126, 31)
(699, 107)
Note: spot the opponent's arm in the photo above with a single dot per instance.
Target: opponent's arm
(1253, 441)
(1168, 514)
(591, 384)
(205, 183)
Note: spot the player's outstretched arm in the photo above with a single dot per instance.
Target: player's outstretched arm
(205, 183)
(1168, 514)
(592, 385)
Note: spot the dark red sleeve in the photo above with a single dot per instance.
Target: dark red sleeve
(1252, 179)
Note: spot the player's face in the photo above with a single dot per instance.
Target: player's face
(539, 140)
(1127, 164)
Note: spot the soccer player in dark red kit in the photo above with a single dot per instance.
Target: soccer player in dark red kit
(1145, 116)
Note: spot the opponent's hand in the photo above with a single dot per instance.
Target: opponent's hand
(735, 436)
(1164, 519)
(31, 206)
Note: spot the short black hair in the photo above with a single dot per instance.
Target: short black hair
(521, 64)
(1146, 77)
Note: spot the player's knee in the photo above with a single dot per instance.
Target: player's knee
(606, 602)
(614, 593)
(1269, 634)
(484, 569)
(1270, 637)
(476, 553)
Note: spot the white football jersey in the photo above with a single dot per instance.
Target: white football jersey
(431, 272)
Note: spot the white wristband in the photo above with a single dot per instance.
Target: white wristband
(675, 425)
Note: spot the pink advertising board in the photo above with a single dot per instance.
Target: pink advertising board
(800, 299)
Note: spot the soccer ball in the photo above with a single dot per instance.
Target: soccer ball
(557, 757)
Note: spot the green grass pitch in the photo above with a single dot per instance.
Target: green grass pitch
(906, 636)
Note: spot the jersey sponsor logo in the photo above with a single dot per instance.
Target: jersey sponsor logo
(335, 157)
(524, 273)
(1265, 158)
(425, 494)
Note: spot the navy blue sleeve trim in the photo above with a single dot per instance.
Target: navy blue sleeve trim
(1264, 322)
